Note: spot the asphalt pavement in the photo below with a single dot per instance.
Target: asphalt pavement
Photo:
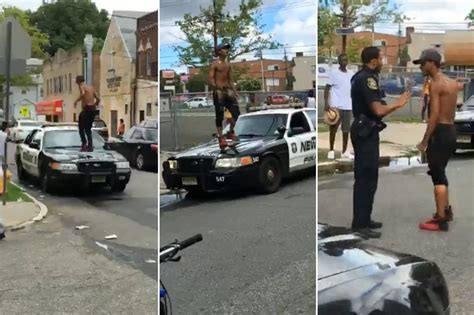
(405, 198)
(53, 268)
(257, 255)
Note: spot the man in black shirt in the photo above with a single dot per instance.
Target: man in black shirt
(368, 109)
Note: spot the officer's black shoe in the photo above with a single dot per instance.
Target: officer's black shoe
(367, 232)
(375, 225)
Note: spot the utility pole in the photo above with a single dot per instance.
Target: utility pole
(214, 23)
(345, 7)
(8, 57)
(399, 42)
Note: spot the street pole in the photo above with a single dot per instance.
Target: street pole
(399, 42)
(214, 24)
(344, 24)
(8, 58)
(261, 69)
(88, 43)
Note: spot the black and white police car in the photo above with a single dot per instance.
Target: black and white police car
(273, 144)
(52, 154)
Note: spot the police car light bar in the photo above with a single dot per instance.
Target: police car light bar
(283, 106)
(51, 124)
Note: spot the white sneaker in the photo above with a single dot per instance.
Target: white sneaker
(331, 155)
(347, 155)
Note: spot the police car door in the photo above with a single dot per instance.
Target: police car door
(24, 151)
(299, 140)
(35, 151)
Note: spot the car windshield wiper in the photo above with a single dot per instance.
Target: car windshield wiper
(64, 147)
(250, 135)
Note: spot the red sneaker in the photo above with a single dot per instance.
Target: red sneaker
(232, 136)
(435, 225)
(222, 143)
(83, 148)
(448, 215)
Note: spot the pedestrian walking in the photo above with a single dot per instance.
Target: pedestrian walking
(90, 100)
(338, 90)
(310, 101)
(3, 139)
(439, 140)
(368, 109)
(121, 128)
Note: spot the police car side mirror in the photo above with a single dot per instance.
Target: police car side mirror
(281, 132)
(34, 145)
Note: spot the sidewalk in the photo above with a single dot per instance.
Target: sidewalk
(16, 215)
(397, 140)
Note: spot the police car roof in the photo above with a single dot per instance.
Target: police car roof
(59, 126)
(285, 111)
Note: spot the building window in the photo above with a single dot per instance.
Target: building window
(41, 92)
(148, 109)
(55, 85)
(74, 117)
(70, 84)
(60, 79)
(47, 87)
(65, 83)
(272, 82)
(126, 109)
(23, 92)
(272, 67)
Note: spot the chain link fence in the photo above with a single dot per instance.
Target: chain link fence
(188, 119)
(395, 80)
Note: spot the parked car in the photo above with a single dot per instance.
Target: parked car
(139, 145)
(280, 99)
(357, 278)
(21, 128)
(100, 127)
(198, 102)
(51, 154)
(464, 121)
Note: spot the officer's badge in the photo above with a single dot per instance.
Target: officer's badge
(372, 84)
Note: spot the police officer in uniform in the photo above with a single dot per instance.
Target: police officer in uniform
(368, 109)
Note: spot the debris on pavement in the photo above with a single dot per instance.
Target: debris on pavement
(111, 237)
(19, 200)
(102, 245)
(81, 227)
(150, 261)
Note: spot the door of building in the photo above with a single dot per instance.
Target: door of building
(113, 123)
(142, 116)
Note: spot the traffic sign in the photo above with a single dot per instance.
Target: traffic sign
(25, 112)
(344, 31)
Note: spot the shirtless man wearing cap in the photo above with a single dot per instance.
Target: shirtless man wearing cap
(439, 141)
(224, 94)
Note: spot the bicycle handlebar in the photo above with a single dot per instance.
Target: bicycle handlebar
(169, 251)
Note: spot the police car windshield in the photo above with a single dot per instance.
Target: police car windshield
(68, 139)
(260, 125)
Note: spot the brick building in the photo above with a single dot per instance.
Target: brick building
(60, 89)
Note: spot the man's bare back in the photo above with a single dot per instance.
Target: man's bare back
(444, 95)
(219, 75)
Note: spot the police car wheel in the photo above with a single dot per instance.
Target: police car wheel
(269, 175)
(46, 184)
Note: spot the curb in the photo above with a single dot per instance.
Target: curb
(345, 166)
(40, 216)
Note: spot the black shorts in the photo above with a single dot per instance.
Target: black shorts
(441, 147)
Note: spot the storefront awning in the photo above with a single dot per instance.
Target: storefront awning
(52, 107)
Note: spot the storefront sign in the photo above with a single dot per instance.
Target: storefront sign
(114, 83)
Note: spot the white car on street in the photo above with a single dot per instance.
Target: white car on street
(22, 128)
(198, 102)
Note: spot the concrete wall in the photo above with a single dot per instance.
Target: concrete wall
(304, 72)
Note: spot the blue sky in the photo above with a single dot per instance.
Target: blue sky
(290, 22)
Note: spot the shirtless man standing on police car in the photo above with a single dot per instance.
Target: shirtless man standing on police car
(90, 100)
(224, 93)
(439, 141)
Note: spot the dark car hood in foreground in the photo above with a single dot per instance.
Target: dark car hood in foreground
(66, 155)
(245, 146)
(356, 278)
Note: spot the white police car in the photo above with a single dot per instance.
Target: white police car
(274, 144)
(51, 153)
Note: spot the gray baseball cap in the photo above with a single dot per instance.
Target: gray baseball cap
(428, 55)
(222, 46)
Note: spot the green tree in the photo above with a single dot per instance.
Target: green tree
(38, 39)
(404, 57)
(355, 47)
(249, 84)
(66, 22)
(327, 23)
(243, 32)
(470, 16)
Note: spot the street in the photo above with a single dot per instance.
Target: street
(54, 268)
(405, 198)
(257, 255)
